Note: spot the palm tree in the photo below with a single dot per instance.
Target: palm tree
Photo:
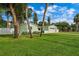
(21, 14)
(0, 21)
(16, 25)
(63, 26)
(35, 18)
(21, 11)
(28, 23)
(10, 7)
(27, 15)
(43, 18)
(76, 20)
(2, 11)
(8, 15)
(73, 27)
(48, 20)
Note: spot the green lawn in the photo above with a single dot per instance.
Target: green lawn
(56, 44)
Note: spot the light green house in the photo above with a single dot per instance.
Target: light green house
(24, 28)
(50, 29)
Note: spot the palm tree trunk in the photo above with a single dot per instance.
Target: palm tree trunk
(16, 25)
(28, 23)
(77, 26)
(43, 20)
(8, 25)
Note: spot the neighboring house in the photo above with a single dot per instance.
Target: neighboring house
(24, 27)
(50, 29)
(34, 28)
(6, 31)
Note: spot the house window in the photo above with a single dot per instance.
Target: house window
(51, 28)
(38, 28)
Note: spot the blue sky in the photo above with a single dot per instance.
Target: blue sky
(57, 11)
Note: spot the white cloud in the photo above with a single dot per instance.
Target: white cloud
(49, 14)
(42, 8)
(55, 6)
(59, 20)
(42, 11)
(39, 12)
(71, 11)
(64, 13)
(70, 21)
(62, 9)
(63, 19)
(77, 4)
(55, 20)
(51, 9)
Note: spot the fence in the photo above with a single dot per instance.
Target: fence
(6, 31)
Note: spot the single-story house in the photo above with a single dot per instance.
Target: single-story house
(6, 31)
(49, 29)
(34, 29)
(24, 28)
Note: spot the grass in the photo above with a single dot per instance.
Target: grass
(56, 44)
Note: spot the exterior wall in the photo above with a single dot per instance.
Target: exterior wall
(6, 31)
(52, 29)
(24, 28)
(34, 28)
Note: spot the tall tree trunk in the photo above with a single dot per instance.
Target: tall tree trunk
(16, 25)
(43, 20)
(77, 26)
(28, 23)
(8, 23)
